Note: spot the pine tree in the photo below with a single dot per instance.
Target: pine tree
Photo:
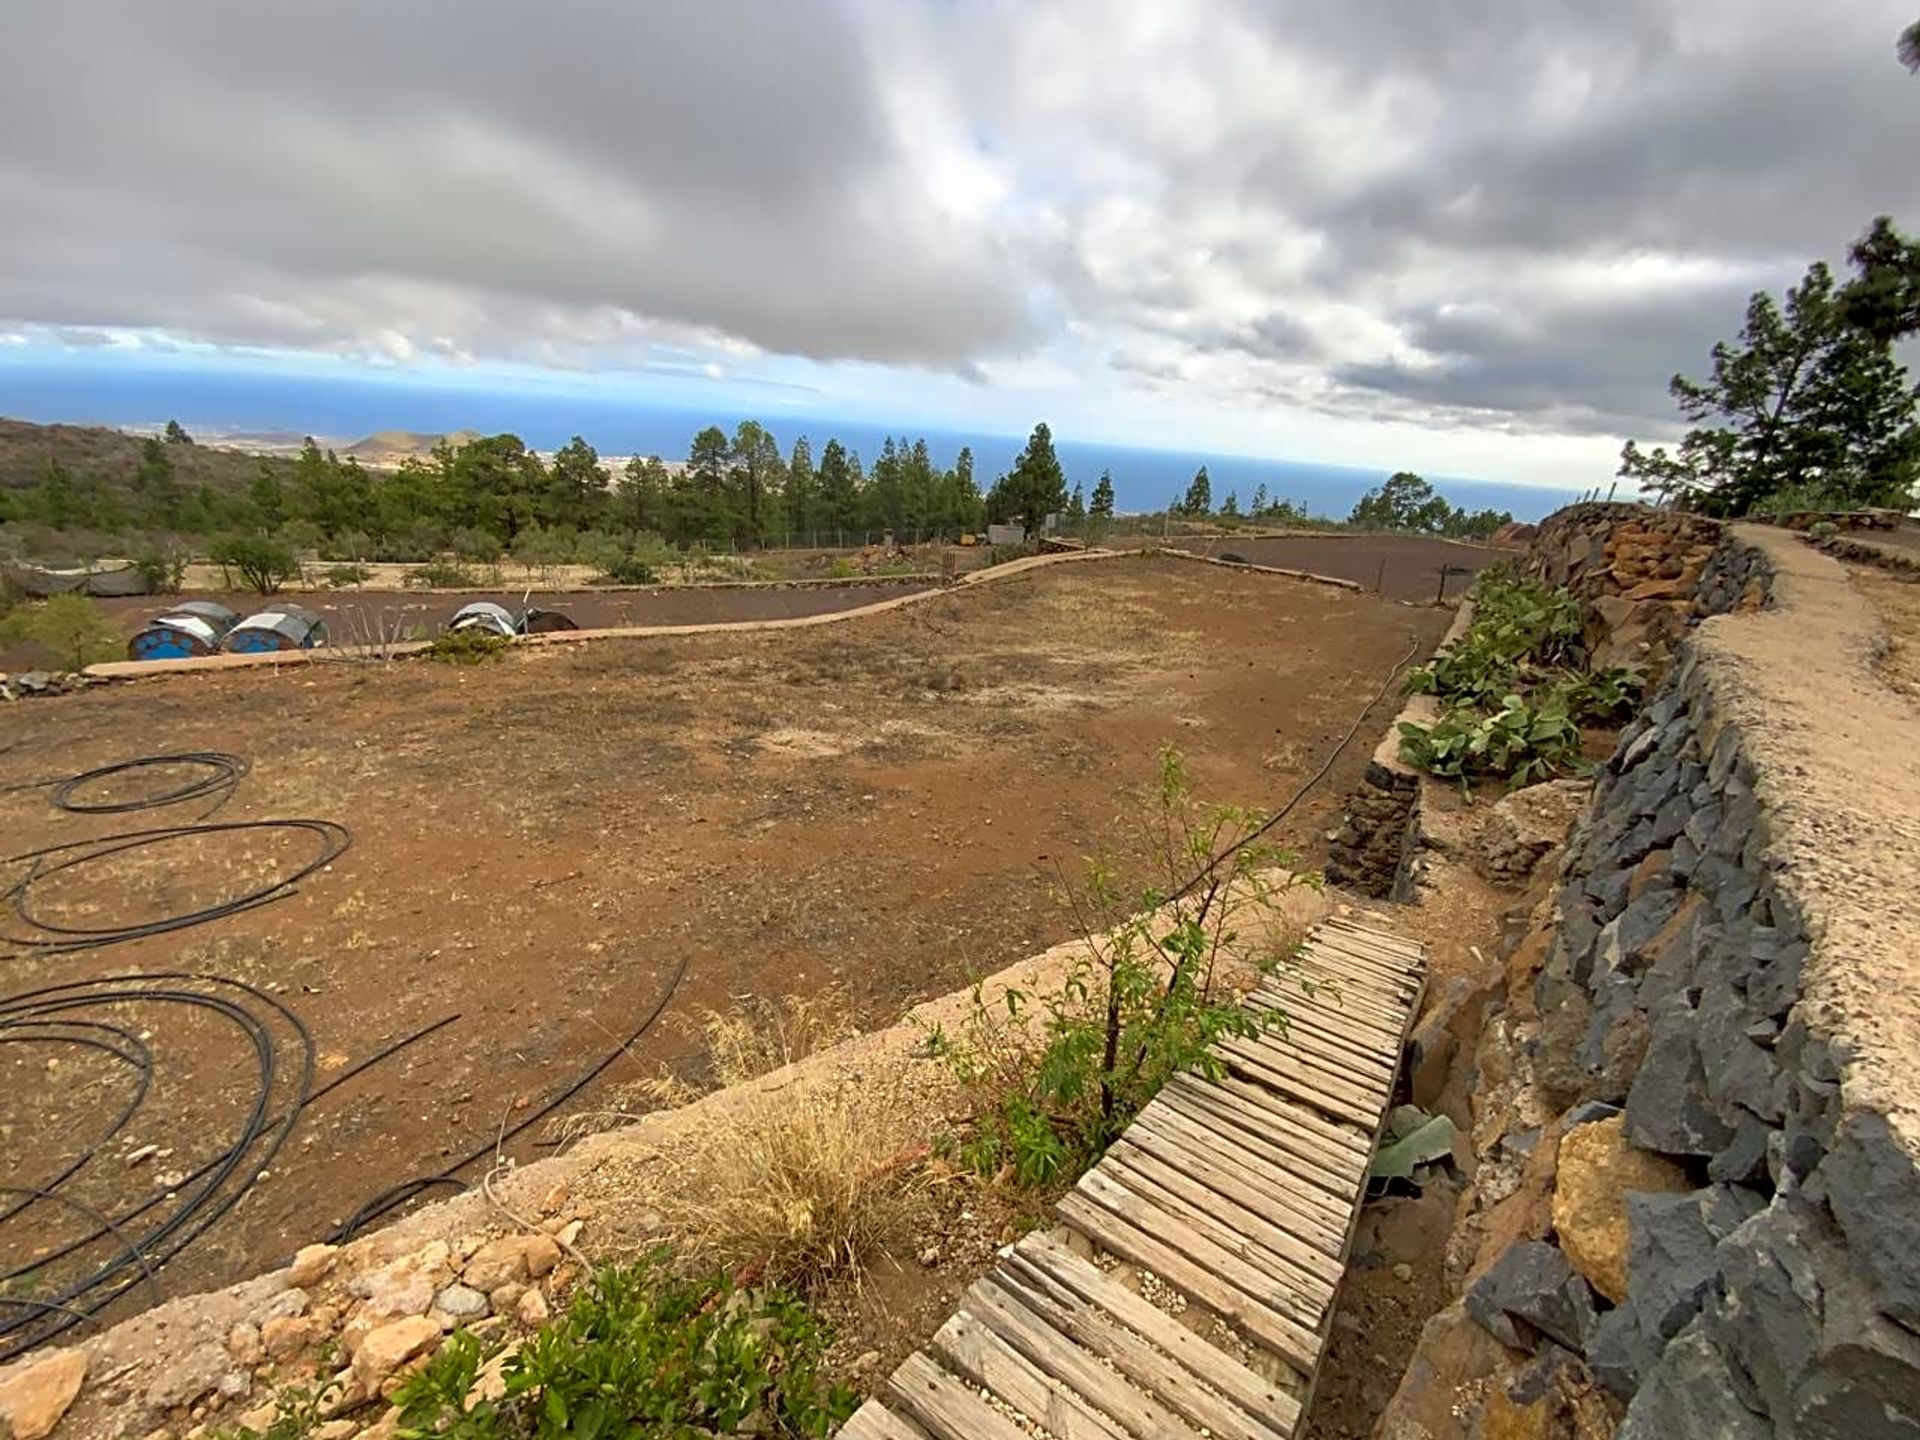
(839, 490)
(802, 497)
(1102, 505)
(1199, 499)
(1036, 486)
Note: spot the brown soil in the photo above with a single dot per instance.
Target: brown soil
(1897, 602)
(349, 612)
(1407, 567)
(539, 843)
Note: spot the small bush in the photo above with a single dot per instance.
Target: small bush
(800, 1186)
(1059, 1075)
(442, 575)
(642, 1352)
(628, 570)
(757, 1036)
(468, 647)
(162, 570)
(262, 562)
(338, 577)
(71, 628)
(842, 569)
(470, 543)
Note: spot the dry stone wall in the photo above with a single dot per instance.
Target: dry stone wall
(1705, 991)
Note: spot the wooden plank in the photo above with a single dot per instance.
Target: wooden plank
(1142, 1232)
(1338, 1180)
(1280, 1025)
(1294, 1087)
(1161, 1376)
(1295, 1063)
(873, 1421)
(1050, 1264)
(1332, 970)
(1136, 1412)
(1383, 937)
(1297, 1262)
(1357, 973)
(946, 1405)
(971, 1349)
(1389, 948)
(1329, 992)
(1180, 1141)
(1201, 1157)
(1293, 1021)
(1339, 1026)
(1331, 1137)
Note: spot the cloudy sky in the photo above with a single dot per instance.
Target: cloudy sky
(1471, 237)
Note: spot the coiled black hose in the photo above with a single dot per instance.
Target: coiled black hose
(44, 935)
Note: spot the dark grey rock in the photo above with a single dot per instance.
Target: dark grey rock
(1666, 1108)
(1644, 919)
(1670, 1260)
(1769, 1318)
(1873, 1188)
(1691, 1392)
(1744, 1157)
(1532, 1289)
(1620, 1353)
(1587, 1113)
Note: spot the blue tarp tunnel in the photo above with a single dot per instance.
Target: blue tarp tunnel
(194, 628)
(484, 615)
(285, 627)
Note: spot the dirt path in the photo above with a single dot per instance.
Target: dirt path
(540, 844)
(1407, 567)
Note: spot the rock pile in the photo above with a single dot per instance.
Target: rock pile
(1521, 827)
(1635, 571)
(348, 1325)
(30, 684)
(1695, 1211)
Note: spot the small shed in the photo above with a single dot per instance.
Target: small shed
(484, 615)
(285, 627)
(544, 622)
(194, 628)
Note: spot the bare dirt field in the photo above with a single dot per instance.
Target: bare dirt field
(541, 845)
(589, 609)
(1407, 567)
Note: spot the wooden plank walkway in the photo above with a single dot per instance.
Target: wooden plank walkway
(1240, 1194)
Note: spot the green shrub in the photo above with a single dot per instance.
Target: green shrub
(642, 1352)
(1058, 1076)
(1519, 741)
(628, 570)
(442, 575)
(480, 546)
(339, 576)
(262, 562)
(162, 570)
(1514, 689)
(71, 628)
(468, 647)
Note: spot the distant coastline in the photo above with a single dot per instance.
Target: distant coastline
(274, 413)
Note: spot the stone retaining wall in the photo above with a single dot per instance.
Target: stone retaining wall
(1718, 1228)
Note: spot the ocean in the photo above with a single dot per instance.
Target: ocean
(219, 402)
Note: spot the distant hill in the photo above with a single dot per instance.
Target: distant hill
(390, 447)
(113, 455)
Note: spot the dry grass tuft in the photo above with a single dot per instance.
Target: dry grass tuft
(756, 1036)
(799, 1187)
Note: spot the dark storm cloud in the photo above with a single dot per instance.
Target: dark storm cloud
(1522, 216)
(311, 173)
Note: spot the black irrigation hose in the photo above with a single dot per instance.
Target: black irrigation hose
(1300, 793)
(223, 773)
(332, 841)
(195, 1204)
(390, 1199)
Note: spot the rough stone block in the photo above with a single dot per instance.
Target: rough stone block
(1667, 1109)
(1691, 1391)
(1533, 1289)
